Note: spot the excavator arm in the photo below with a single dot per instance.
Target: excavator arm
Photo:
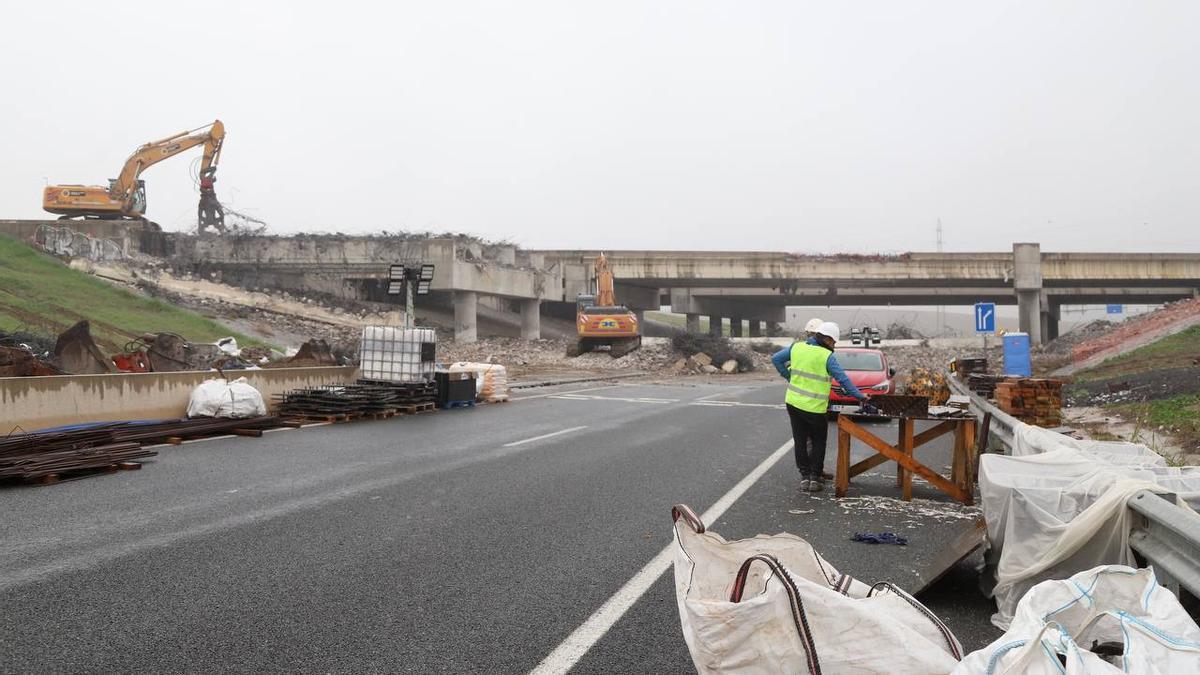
(156, 151)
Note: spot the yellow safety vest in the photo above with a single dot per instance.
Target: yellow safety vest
(808, 388)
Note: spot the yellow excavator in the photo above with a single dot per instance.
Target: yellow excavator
(601, 322)
(125, 196)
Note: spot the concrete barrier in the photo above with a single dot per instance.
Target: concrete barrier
(39, 402)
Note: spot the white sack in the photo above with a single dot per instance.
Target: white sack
(229, 346)
(796, 612)
(221, 398)
(1110, 603)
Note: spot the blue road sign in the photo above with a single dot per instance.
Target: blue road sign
(985, 317)
(1114, 309)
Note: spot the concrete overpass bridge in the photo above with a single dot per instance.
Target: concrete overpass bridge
(741, 286)
(757, 286)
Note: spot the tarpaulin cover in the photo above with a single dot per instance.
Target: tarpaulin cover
(1059, 507)
(221, 398)
(771, 604)
(1067, 625)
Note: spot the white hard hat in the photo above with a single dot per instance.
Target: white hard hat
(812, 325)
(830, 329)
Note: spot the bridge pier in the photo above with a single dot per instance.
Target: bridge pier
(466, 305)
(735, 326)
(531, 319)
(692, 323)
(1051, 314)
(756, 328)
(1027, 282)
(714, 325)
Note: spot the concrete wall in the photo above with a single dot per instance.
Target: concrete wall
(40, 402)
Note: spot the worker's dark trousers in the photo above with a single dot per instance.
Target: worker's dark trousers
(809, 431)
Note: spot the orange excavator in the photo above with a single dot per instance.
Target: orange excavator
(125, 196)
(600, 322)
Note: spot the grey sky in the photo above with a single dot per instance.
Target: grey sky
(733, 125)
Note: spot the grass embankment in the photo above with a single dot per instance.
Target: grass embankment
(1179, 417)
(1170, 352)
(40, 294)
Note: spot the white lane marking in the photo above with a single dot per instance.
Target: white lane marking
(719, 393)
(737, 404)
(543, 436)
(577, 391)
(594, 397)
(567, 654)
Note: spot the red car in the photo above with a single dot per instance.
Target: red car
(868, 369)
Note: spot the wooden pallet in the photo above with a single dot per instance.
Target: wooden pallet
(78, 474)
(416, 408)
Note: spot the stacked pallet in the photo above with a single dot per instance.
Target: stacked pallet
(964, 367)
(1032, 400)
(363, 399)
(983, 384)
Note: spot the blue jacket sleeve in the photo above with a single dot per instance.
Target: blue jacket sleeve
(835, 369)
(783, 360)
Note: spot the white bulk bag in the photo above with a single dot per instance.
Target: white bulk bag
(771, 604)
(1057, 623)
(221, 398)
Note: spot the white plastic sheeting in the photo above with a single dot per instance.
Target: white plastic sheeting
(1057, 623)
(491, 380)
(1058, 507)
(222, 398)
(771, 604)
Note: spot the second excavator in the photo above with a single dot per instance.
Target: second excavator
(125, 196)
(601, 322)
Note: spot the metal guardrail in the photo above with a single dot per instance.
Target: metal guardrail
(1165, 534)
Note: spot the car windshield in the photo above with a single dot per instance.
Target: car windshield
(860, 360)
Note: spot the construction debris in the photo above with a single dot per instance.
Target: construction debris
(18, 362)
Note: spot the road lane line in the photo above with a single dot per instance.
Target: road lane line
(567, 654)
(559, 393)
(543, 436)
(719, 393)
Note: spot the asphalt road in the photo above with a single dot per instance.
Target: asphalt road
(462, 541)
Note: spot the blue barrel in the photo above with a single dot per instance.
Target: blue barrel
(1016, 355)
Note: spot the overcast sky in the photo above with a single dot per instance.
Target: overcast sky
(703, 125)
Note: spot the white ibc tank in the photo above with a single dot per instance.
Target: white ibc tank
(393, 354)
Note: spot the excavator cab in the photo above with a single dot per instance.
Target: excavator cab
(138, 204)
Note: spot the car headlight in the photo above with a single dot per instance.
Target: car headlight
(882, 386)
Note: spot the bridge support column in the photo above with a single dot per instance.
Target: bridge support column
(641, 317)
(714, 325)
(465, 306)
(1027, 282)
(1051, 313)
(693, 323)
(756, 328)
(735, 326)
(531, 319)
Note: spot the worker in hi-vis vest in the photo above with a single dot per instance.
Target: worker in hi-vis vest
(810, 367)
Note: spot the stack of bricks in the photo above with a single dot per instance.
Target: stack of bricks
(1031, 400)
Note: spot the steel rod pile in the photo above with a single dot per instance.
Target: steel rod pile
(93, 446)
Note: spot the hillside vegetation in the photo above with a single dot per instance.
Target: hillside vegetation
(40, 294)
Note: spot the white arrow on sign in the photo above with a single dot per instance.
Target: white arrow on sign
(984, 315)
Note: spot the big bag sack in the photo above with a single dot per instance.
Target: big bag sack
(772, 604)
(1109, 619)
